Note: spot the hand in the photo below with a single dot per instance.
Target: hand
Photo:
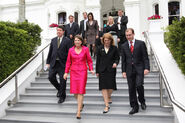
(124, 75)
(118, 40)
(71, 36)
(85, 41)
(146, 72)
(48, 65)
(92, 72)
(97, 74)
(97, 37)
(65, 76)
(114, 65)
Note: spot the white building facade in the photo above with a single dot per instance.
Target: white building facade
(46, 12)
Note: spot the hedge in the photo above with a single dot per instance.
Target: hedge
(18, 42)
(175, 41)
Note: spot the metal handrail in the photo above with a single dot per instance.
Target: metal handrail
(164, 80)
(14, 74)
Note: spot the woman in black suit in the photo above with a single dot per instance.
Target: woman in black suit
(106, 63)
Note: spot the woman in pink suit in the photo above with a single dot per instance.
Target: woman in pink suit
(78, 57)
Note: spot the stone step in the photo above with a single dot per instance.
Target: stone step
(60, 111)
(148, 90)
(96, 79)
(88, 97)
(94, 84)
(88, 105)
(29, 118)
(118, 72)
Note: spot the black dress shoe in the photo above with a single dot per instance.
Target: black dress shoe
(61, 100)
(143, 106)
(107, 110)
(82, 108)
(134, 110)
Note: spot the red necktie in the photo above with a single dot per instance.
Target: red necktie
(131, 47)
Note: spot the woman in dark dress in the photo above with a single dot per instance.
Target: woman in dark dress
(91, 33)
(106, 63)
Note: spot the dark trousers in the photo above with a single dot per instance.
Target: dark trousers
(133, 87)
(61, 87)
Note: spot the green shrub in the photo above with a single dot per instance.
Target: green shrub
(18, 43)
(175, 41)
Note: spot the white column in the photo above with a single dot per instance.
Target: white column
(182, 8)
(132, 10)
(163, 11)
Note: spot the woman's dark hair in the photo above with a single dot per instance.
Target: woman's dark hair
(90, 13)
(80, 38)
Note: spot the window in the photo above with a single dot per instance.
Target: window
(174, 11)
(62, 18)
(76, 16)
(156, 7)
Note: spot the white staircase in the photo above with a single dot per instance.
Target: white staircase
(39, 104)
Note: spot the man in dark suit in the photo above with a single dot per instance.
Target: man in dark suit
(121, 23)
(56, 61)
(83, 24)
(135, 64)
(72, 29)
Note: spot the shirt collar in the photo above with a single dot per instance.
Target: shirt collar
(133, 41)
(60, 38)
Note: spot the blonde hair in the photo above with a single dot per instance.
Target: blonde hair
(110, 17)
(108, 36)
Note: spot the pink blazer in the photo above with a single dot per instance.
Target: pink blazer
(78, 61)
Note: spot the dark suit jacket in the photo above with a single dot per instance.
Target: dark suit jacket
(74, 30)
(124, 21)
(82, 31)
(61, 52)
(139, 58)
(105, 61)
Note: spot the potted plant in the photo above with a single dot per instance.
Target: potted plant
(154, 23)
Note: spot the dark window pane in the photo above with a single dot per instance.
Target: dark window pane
(157, 9)
(173, 8)
(76, 16)
(173, 18)
(62, 18)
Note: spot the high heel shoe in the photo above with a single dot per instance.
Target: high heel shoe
(78, 117)
(107, 110)
(82, 108)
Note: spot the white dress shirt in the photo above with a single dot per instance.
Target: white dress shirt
(133, 42)
(119, 25)
(85, 21)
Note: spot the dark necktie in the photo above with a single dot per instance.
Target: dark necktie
(58, 42)
(131, 47)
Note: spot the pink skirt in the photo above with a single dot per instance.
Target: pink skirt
(78, 80)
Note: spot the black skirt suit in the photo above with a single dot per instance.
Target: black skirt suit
(104, 63)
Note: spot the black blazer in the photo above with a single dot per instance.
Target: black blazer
(61, 52)
(124, 21)
(82, 31)
(105, 61)
(74, 30)
(139, 58)
(110, 29)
